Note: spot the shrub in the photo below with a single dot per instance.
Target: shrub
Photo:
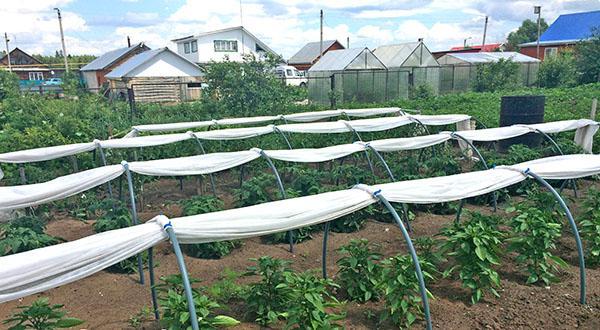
(496, 76)
(213, 250)
(268, 299)
(310, 302)
(359, 270)
(589, 226)
(400, 290)
(557, 71)
(40, 315)
(421, 91)
(475, 246)
(9, 85)
(586, 58)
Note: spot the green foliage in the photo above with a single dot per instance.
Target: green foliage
(255, 190)
(310, 302)
(400, 290)
(139, 318)
(268, 299)
(213, 250)
(359, 271)
(497, 76)
(349, 175)
(175, 314)
(9, 85)
(589, 226)
(304, 180)
(58, 58)
(354, 221)
(586, 58)
(557, 71)
(525, 33)
(40, 315)
(114, 215)
(475, 246)
(226, 289)
(426, 248)
(535, 234)
(422, 91)
(24, 234)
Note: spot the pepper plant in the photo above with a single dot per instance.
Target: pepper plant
(589, 226)
(40, 315)
(24, 234)
(475, 246)
(359, 270)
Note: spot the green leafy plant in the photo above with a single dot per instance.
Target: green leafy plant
(255, 190)
(24, 234)
(475, 246)
(400, 290)
(558, 70)
(175, 313)
(426, 248)
(359, 270)
(139, 318)
(496, 76)
(213, 250)
(311, 302)
(268, 299)
(40, 315)
(535, 235)
(589, 226)
(226, 288)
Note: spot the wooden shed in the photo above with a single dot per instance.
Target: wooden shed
(159, 75)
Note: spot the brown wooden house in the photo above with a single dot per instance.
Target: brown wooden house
(310, 53)
(94, 73)
(26, 66)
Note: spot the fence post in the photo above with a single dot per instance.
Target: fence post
(333, 96)
(131, 100)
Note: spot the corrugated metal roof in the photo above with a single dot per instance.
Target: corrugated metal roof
(108, 58)
(310, 52)
(339, 60)
(139, 59)
(575, 26)
(487, 57)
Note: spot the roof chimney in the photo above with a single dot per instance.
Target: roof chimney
(128, 42)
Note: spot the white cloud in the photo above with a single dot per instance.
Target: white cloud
(391, 13)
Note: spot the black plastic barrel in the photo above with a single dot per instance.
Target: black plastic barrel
(522, 110)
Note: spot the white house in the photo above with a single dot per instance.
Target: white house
(158, 75)
(232, 43)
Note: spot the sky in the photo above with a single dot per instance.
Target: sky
(97, 26)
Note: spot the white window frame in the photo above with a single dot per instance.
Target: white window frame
(186, 47)
(194, 46)
(550, 52)
(36, 76)
(225, 46)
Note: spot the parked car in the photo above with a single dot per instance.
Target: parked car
(291, 76)
(53, 82)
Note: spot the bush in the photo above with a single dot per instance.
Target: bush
(359, 270)
(422, 91)
(400, 290)
(40, 315)
(556, 71)
(496, 76)
(475, 246)
(586, 58)
(9, 85)
(213, 250)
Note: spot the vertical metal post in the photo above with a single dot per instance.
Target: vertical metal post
(281, 190)
(22, 174)
(103, 159)
(74, 163)
(573, 229)
(152, 282)
(413, 255)
(134, 215)
(211, 176)
(324, 253)
(184, 276)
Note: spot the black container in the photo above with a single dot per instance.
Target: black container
(522, 110)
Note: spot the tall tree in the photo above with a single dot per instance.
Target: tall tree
(587, 54)
(525, 33)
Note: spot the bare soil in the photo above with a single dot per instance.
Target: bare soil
(107, 300)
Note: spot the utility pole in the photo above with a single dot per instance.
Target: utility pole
(128, 42)
(321, 42)
(7, 51)
(348, 42)
(538, 10)
(484, 34)
(62, 40)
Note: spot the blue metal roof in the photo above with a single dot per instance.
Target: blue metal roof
(569, 27)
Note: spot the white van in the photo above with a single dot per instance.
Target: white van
(292, 76)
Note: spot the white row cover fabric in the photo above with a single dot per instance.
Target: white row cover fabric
(363, 125)
(296, 117)
(315, 155)
(42, 269)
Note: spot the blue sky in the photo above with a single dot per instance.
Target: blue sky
(93, 27)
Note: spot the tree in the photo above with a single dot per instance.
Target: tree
(587, 54)
(495, 76)
(525, 33)
(9, 84)
(558, 71)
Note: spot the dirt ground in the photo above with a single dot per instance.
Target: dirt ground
(107, 300)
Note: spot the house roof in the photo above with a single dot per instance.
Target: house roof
(310, 52)
(106, 59)
(17, 49)
(486, 57)
(569, 28)
(342, 59)
(203, 34)
(131, 64)
(482, 48)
